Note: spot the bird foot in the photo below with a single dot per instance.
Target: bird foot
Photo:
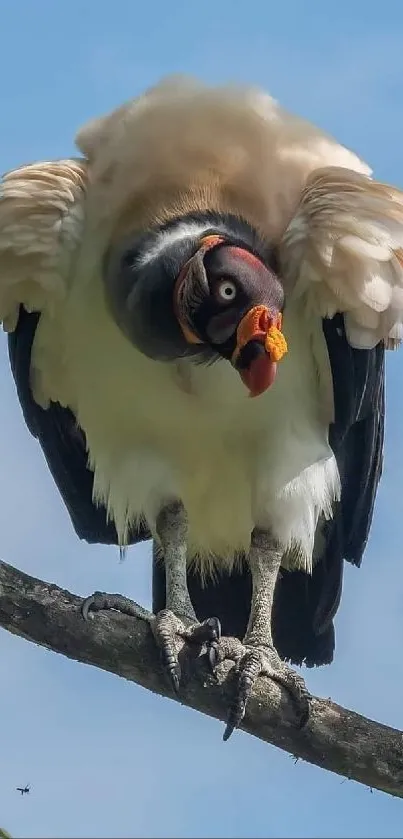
(171, 632)
(250, 663)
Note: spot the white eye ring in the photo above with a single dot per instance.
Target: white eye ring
(227, 290)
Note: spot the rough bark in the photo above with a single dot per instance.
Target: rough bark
(336, 739)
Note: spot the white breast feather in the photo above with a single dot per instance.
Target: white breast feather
(157, 432)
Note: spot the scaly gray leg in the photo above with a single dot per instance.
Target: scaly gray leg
(256, 656)
(177, 622)
(178, 619)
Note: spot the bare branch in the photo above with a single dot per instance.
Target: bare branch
(335, 738)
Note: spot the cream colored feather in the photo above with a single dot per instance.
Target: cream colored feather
(41, 228)
(41, 224)
(182, 147)
(344, 249)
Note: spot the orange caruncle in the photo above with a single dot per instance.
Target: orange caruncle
(275, 343)
(258, 325)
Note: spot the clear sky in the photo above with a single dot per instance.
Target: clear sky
(104, 757)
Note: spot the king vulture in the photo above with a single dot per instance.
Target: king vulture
(198, 309)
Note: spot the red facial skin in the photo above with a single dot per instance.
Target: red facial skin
(260, 375)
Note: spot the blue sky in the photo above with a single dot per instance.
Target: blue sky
(104, 757)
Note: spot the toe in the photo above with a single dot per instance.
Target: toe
(101, 601)
(249, 669)
(167, 629)
(295, 685)
(302, 702)
(172, 667)
(224, 648)
(258, 661)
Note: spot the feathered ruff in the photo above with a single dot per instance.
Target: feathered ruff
(230, 149)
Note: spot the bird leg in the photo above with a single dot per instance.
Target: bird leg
(178, 620)
(257, 656)
(177, 623)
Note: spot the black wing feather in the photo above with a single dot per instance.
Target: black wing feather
(63, 444)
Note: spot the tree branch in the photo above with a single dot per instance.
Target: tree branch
(335, 738)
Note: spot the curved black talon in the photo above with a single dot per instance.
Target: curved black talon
(251, 669)
(265, 662)
(208, 631)
(232, 723)
(92, 604)
(171, 666)
(212, 654)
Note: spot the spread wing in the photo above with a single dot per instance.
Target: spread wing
(41, 221)
(343, 251)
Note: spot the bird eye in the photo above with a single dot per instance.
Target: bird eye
(227, 290)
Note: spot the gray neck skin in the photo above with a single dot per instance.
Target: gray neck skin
(140, 294)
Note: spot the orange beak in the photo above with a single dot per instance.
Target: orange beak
(262, 328)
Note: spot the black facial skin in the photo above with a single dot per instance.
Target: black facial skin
(141, 298)
(248, 354)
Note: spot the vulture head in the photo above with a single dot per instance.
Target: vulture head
(206, 291)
